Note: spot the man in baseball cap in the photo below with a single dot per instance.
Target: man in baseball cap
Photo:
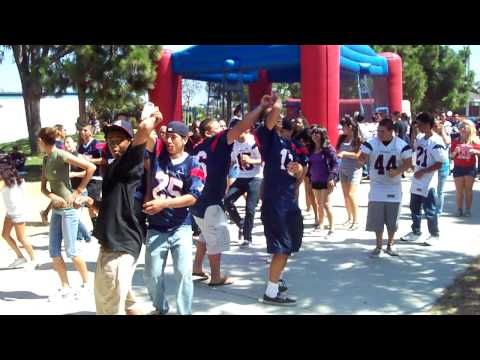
(121, 125)
(177, 127)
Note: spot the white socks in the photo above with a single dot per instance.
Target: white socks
(272, 290)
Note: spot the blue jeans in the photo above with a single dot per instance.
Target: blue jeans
(430, 207)
(251, 186)
(63, 224)
(83, 233)
(179, 242)
(442, 177)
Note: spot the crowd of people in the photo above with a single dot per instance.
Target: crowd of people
(167, 187)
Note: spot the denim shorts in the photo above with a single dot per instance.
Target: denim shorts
(459, 171)
(63, 225)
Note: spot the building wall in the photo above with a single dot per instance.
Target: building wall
(13, 123)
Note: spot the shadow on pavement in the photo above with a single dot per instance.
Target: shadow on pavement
(49, 266)
(82, 313)
(19, 295)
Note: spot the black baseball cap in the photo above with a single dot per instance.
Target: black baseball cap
(177, 127)
(122, 125)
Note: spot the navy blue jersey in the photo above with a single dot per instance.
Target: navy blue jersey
(213, 155)
(277, 153)
(174, 178)
(93, 149)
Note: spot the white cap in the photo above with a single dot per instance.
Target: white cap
(449, 113)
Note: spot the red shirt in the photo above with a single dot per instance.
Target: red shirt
(464, 158)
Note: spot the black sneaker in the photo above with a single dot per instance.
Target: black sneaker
(279, 301)
(282, 287)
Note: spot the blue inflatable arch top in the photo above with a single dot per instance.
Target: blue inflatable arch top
(242, 62)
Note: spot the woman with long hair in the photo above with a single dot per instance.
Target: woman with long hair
(60, 136)
(323, 174)
(348, 150)
(305, 138)
(12, 188)
(464, 152)
(65, 217)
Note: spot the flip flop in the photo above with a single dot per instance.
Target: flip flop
(223, 282)
(203, 276)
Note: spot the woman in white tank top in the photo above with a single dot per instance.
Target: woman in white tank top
(12, 189)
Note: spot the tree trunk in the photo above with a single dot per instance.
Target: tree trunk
(31, 99)
(82, 106)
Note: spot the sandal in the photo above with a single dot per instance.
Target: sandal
(202, 276)
(223, 282)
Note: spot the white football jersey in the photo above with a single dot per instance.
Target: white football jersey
(384, 158)
(428, 152)
(250, 148)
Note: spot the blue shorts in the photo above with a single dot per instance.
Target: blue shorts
(459, 171)
(283, 227)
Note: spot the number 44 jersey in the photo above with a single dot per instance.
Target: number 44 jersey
(383, 158)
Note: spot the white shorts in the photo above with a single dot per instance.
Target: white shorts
(17, 218)
(214, 228)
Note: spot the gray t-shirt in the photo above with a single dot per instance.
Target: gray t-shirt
(348, 166)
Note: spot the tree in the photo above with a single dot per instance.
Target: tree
(435, 77)
(190, 89)
(35, 64)
(292, 90)
(112, 77)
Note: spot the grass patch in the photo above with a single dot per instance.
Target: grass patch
(33, 164)
(463, 296)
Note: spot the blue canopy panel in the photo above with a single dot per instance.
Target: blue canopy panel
(242, 62)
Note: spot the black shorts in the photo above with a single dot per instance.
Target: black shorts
(283, 227)
(320, 185)
(94, 189)
(460, 171)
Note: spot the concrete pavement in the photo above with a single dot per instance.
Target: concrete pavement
(328, 276)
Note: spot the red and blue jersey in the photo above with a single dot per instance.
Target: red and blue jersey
(94, 149)
(213, 155)
(277, 153)
(173, 178)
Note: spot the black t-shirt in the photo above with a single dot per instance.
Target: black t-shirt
(118, 227)
(401, 130)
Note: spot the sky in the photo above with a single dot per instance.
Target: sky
(10, 80)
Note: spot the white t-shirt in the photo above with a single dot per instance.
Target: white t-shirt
(383, 158)
(250, 148)
(428, 152)
(14, 199)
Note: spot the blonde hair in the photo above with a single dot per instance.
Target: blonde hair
(471, 137)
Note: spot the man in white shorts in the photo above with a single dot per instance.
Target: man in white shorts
(389, 157)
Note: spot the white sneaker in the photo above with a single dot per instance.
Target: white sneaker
(376, 252)
(84, 292)
(62, 294)
(19, 263)
(391, 251)
(431, 240)
(411, 237)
